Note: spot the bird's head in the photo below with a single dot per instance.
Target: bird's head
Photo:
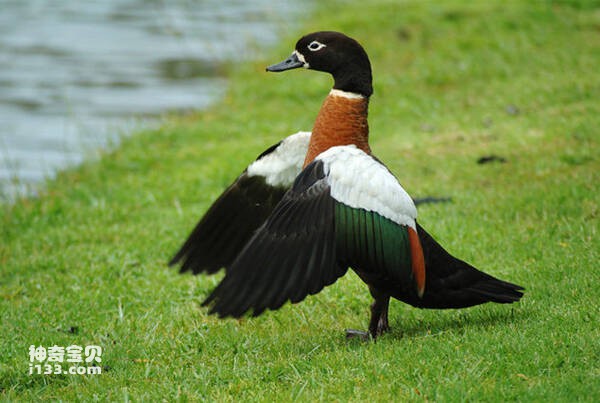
(335, 53)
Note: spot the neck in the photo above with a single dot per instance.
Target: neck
(342, 120)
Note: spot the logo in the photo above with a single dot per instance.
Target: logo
(70, 360)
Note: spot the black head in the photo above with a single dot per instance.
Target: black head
(334, 53)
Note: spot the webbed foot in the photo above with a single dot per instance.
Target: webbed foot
(358, 334)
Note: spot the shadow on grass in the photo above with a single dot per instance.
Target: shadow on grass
(450, 323)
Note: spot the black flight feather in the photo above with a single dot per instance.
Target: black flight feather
(228, 224)
(452, 283)
(289, 257)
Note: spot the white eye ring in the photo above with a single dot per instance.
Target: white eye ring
(315, 46)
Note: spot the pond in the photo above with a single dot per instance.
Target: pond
(74, 76)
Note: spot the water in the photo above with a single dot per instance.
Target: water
(73, 75)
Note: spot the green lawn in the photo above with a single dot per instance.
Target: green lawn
(84, 263)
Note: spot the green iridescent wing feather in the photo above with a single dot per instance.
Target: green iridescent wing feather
(372, 243)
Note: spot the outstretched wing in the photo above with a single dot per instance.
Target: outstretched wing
(345, 209)
(243, 207)
(290, 256)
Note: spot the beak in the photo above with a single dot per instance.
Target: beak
(291, 62)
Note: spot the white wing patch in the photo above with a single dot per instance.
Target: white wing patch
(359, 181)
(281, 166)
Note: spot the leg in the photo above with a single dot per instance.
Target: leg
(378, 324)
(379, 313)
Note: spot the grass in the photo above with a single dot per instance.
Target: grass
(85, 262)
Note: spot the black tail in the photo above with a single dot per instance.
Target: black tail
(452, 283)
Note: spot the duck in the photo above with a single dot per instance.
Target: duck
(318, 204)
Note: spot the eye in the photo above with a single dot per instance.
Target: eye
(315, 45)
